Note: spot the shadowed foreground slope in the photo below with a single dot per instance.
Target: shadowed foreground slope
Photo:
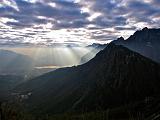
(115, 77)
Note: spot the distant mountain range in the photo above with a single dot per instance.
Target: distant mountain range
(145, 42)
(11, 62)
(115, 76)
(96, 45)
(95, 48)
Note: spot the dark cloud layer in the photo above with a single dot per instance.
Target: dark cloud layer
(31, 22)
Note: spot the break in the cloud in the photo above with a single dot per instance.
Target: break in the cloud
(45, 22)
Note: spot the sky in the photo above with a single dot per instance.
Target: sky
(54, 22)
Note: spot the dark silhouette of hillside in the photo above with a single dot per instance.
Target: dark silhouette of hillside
(114, 77)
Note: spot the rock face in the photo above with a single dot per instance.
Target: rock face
(145, 42)
(115, 76)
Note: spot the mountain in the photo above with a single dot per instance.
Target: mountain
(145, 42)
(95, 48)
(115, 76)
(96, 45)
(14, 63)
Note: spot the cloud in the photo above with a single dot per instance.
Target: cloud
(45, 22)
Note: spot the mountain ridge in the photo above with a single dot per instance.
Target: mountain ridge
(115, 76)
(95, 48)
(145, 42)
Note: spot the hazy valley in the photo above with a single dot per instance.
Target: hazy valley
(119, 80)
(79, 59)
